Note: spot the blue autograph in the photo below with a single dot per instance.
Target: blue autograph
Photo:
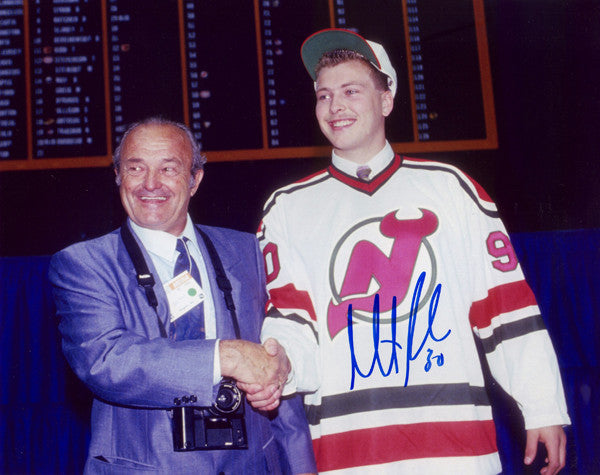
(412, 320)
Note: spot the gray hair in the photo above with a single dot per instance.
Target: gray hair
(198, 159)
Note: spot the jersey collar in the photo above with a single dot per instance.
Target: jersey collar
(368, 187)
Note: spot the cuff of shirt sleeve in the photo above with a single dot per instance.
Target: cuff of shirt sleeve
(302, 352)
(546, 420)
(217, 365)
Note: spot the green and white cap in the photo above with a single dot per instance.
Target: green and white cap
(331, 39)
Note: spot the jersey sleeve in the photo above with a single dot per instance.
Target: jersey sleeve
(290, 313)
(505, 316)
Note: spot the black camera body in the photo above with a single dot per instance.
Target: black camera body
(220, 426)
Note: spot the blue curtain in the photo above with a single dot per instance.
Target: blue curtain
(44, 420)
(562, 268)
(45, 410)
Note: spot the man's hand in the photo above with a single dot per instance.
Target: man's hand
(259, 370)
(555, 440)
(266, 398)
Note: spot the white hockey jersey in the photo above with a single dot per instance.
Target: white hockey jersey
(376, 291)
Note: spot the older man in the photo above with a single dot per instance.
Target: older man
(154, 315)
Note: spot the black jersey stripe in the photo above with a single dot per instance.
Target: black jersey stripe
(461, 181)
(399, 397)
(512, 330)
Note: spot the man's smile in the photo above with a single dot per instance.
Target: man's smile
(340, 123)
(153, 198)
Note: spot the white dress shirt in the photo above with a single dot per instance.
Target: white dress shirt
(377, 163)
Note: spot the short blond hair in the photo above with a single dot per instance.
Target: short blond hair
(339, 56)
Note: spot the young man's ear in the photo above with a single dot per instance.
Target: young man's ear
(387, 103)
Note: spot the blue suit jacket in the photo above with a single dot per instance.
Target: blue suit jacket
(111, 339)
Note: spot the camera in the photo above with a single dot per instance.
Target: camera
(220, 426)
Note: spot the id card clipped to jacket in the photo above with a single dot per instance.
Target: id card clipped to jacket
(183, 294)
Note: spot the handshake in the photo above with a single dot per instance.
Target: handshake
(259, 370)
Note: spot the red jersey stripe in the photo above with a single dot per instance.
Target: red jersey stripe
(403, 442)
(290, 297)
(501, 299)
(370, 186)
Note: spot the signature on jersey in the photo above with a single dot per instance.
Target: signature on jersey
(413, 349)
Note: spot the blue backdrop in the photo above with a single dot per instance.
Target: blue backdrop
(44, 419)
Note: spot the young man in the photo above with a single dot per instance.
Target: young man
(150, 347)
(380, 270)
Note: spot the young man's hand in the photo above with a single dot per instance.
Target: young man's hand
(555, 440)
(259, 370)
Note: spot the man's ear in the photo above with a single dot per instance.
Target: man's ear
(387, 103)
(196, 181)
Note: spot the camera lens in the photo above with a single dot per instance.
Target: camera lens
(228, 397)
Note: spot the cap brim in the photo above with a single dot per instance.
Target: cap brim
(324, 41)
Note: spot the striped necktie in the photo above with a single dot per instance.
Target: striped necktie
(190, 326)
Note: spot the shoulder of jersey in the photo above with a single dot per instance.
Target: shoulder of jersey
(301, 184)
(473, 189)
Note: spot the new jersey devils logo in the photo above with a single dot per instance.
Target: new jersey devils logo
(379, 256)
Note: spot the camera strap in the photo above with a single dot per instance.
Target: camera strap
(146, 280)
(222, 281)
(144, 277)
